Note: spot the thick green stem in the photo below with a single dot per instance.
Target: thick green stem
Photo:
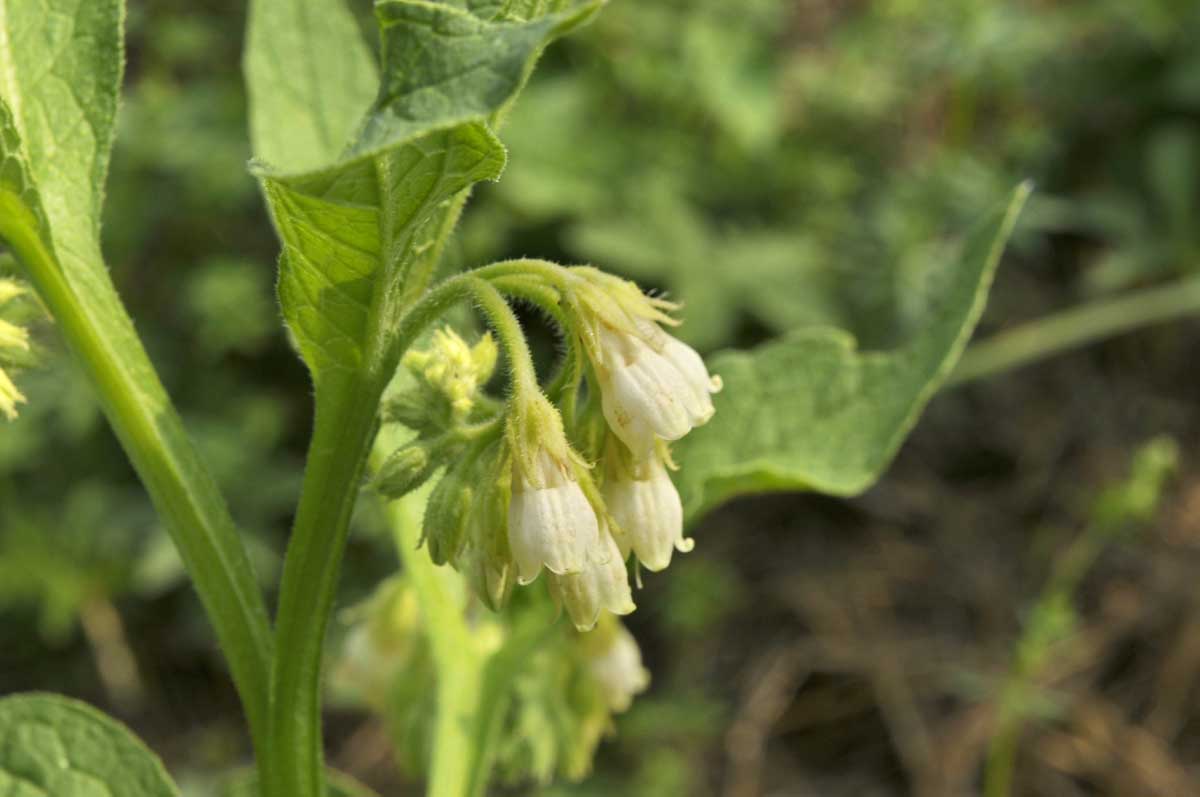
(347, 407)
(184, 493)
(1077, 327)
(342, 434)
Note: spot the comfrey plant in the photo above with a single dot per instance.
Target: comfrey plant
(523, 517)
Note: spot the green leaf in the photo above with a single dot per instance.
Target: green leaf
(60, 74)
(56, 747)
(811, 412)
(450, 63)
(310, 78)
(350, 233)
(354, 231)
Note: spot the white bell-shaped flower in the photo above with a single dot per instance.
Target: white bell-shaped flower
(618, 670)
(648, 514)
(603, 584)
(550, 521)
(647, 393)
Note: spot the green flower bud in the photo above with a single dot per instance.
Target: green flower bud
(486, 560)
(446, 516)
(404, 471)
(453, 369)
(14, 347)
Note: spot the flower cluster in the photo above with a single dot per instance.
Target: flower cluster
(534, 484)
(582, 523)
(14, 349)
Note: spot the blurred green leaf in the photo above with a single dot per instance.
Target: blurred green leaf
(309, 76)
(811, 412)
(50, 745)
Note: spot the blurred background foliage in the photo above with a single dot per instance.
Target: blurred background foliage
(771, 163)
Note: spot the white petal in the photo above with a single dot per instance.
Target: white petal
(650, 515)
(603, 585)
(691, 366)
(552, 526)
(619, 671)
(647, 397)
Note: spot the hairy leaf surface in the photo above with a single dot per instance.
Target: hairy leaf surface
(812, 412)
(351, 230)
(449, 63)
(51, 745)
(60, 75)
(356, 230)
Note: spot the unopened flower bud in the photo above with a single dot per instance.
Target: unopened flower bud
(454, 369)
(446, 517)
(405, 470)
(486, 560)
(648, 514)
(10, 397)
(14, 340)
(602, 585)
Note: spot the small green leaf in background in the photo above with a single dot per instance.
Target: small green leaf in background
(811, 412)
(51, 746)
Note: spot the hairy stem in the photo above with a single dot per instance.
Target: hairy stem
(1077, 327)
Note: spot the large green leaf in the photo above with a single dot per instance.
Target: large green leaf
(310, 78)
(811, 412)
(51, 746)
(455, 62)
(355, 230)
(60, 74)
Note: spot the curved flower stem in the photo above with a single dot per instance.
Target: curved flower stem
(551, 274)
(566, 382)
(508, 329)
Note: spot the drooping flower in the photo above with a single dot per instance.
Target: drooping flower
(616, 664)
(551, 523)
(646, 511)
(652, 385)
(602, 585)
